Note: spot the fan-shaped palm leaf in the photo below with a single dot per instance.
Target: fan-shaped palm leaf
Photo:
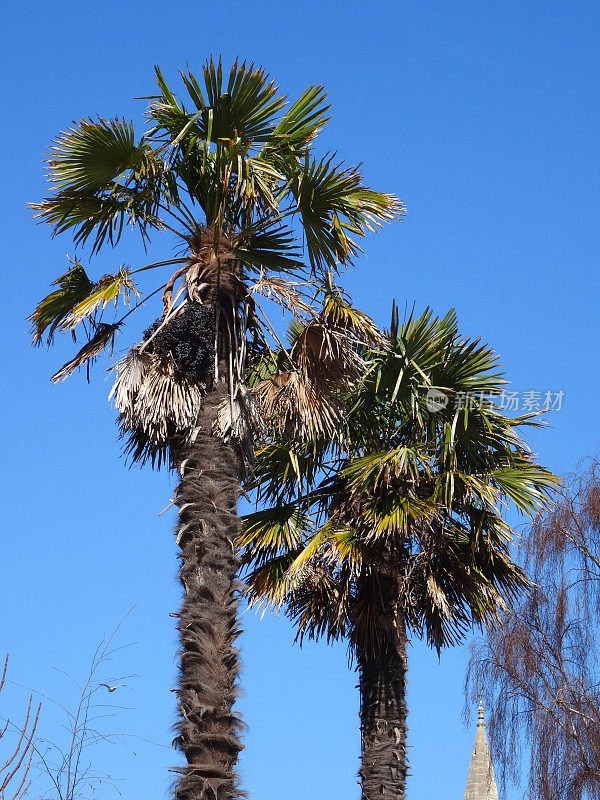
(74, 287)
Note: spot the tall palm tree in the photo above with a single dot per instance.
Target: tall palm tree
(397, 527)
(233, 177)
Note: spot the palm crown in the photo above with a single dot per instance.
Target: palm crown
(413, 496)
(232, 174)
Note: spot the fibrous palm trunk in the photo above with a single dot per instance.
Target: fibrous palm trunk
(383, 709)
(208, 623)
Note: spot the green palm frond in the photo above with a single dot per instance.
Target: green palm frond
(334, 205)
(393, 514)
(107, 290)
(247, 107)
(414, 495)
(104, 218)
(74, 287)
(271, 247)
(372, 472)
(274, 529)
(299, 125)
(311, 548)
(102, 179)
(469, 367)
(459, 487)
(528, 485)
(266, 585)
(94, 155)
(282, 470)
(237, 115)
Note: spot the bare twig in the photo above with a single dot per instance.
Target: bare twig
(16, 769)
(540, 668)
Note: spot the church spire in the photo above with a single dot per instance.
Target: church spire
(481, 784)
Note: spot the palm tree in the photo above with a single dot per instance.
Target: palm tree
(233, 177)
(396, 528)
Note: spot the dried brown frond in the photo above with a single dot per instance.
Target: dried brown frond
(325, 355)
(285, 293)
(306, 399)
(155, 403)
(104, 337)
(238, 418)
(438, 597)
(291, 403)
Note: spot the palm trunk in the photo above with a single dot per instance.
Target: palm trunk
(208, 623)
(383, 713)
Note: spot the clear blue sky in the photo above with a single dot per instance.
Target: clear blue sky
(484, 118)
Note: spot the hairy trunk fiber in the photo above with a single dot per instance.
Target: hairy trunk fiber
(383, 713)
(208, 622)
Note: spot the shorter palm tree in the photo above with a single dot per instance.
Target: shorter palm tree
(397, 528)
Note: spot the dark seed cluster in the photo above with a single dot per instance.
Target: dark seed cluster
(189, 340)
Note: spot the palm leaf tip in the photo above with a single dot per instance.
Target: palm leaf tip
(244, 106)
(340, 313)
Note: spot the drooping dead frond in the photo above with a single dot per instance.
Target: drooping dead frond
(239, 419)
(325, 355)
(131, 372)
(305, 399)
(161, 382)
(155, 403)
(104, 336)
(292, 404)
(438, 597)
(286, 294)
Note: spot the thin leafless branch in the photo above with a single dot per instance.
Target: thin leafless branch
(539, 669)
(14, 773)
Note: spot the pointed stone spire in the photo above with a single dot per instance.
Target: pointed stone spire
(481, 784)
